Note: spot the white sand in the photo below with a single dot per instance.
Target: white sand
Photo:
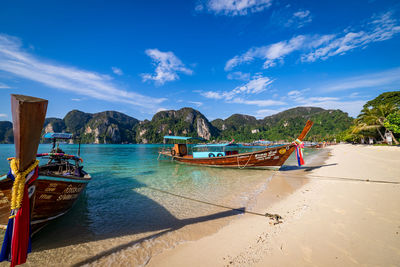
(326, 222)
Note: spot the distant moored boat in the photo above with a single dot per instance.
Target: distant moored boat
(227, 155)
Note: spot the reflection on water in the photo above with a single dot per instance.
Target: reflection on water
(117, 209)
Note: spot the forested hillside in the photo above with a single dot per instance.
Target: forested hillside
(115, 127)
(285, 125)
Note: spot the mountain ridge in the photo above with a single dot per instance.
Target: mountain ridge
(116, 127)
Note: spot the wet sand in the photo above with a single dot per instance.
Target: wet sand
(329, 221)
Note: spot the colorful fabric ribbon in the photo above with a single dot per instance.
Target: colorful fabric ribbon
(299, 151)
(17, 239)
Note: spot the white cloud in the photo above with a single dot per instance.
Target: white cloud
(299, 19)
(117, 71)
(233, 7)
(351, 107)
(167, 67)
(161, 109)
(76, 99)
(294, 94)
(262, 113)
(301, 98)
(322, 99)
(270, 53)
(302, 14)
(260, 103)
(298, 96)
(378, 79)
(256, 85)
(4, 86)
(212, 95)
(238, 75)
(379, 29)
(354, 95)
(2, 115)
(196, 103)
(22, 64)
(265, 112)
(316, 47)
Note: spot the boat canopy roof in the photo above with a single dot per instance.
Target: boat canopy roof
(262, 142)
(217, 145)
(58, 135)
(182, 137)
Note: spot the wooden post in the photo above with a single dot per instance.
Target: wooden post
(306, 129)
(28, 115)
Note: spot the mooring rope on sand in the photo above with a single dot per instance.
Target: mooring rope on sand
(241, 210)
(275, 217)
(311, 176)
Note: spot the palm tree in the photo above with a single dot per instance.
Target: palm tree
(374, 118)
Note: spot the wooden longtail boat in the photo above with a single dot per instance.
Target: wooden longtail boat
(320, 145)
(268, 158)
(60, 182)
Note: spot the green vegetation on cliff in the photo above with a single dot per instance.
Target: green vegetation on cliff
(286, 125)
(76, 120)
(6, 132)
(186, 121)
(54, 125)
(104, 127)
(109, 127)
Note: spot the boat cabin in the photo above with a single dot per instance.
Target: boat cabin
(181, 148)
(57, 136)
(215, 150)
(58, 163)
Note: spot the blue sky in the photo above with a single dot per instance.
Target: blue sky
(255, 57)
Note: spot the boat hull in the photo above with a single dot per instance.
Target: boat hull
(269, 158)
(51, 197)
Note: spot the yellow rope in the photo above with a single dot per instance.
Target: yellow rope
(19, 183)
(297, 142)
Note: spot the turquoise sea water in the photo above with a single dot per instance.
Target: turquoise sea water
(117, 202)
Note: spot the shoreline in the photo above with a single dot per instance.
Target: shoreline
(275, 190)
(325, 222)
(198, 231)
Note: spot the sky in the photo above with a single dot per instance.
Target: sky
(254, 57)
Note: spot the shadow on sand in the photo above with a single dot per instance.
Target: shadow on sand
(305, 168)
(177, 225)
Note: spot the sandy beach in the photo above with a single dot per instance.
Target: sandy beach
(346, 213)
